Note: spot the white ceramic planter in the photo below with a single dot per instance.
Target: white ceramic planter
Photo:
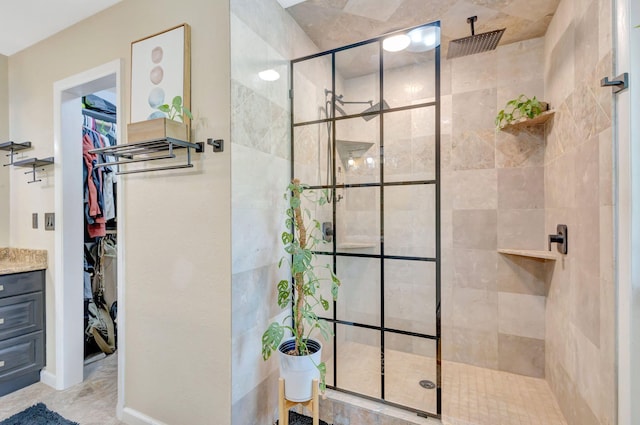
(299, 372)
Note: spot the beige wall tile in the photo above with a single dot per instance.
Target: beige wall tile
(473, 72)
(560, 64)
(586, 39)
(521, 355)
(475, 268)
(521, 188)
(475, 229)
(587, 174)
(558, 195)
(479, 348)
(580, 312)
(515, 59)
(524, 148)
(472, 149)
(475, 110)
(475, 189)
(521, 229)
(259, 405)
(521, 315)
(475, 309)
(605, 168)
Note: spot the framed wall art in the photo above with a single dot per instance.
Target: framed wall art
(160, 71)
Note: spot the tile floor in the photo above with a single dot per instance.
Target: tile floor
(92, 402)
(471, 395)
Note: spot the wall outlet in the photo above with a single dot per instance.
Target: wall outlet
(49, 221)
(34, 220)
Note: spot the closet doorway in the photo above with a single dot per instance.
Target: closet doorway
(68, 294)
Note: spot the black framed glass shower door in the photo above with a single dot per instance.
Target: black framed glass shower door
(366, 126)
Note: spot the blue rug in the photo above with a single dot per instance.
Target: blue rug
(37, 415)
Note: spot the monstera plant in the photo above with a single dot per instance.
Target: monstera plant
(304, 294)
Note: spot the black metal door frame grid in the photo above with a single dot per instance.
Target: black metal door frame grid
(382, 184)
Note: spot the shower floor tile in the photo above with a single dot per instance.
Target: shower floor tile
(471, 395)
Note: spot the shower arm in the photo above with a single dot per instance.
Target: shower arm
(338, 99)
(471, 20)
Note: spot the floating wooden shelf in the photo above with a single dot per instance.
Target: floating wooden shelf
(34, 163)
(157, 129)
(527, 122)
(541, 255)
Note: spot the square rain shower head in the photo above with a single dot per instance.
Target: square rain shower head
(473, 44)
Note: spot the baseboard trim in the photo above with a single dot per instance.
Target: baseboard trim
(133, 417)
(48, 378)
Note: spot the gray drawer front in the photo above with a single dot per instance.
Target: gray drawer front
(21, 355)
(21, 283)
(20, 315)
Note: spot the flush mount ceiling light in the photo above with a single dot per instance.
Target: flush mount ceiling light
(424, 38)
(269, 75)
(396, 43)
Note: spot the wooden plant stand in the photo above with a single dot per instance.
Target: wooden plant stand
(284, 405)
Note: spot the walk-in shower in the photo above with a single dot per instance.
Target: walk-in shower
(366, 126)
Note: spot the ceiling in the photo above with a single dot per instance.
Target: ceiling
(26, 22)
(335, 23)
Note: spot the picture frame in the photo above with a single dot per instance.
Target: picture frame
(160, 70)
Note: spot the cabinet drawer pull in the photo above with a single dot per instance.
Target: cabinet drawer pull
(1, 320)
(1, 363)
(1, 287)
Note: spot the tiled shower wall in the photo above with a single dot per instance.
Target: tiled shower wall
(260, 149)
(581, 344)
(493, 305)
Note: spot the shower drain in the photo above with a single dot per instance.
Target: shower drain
(427, 384)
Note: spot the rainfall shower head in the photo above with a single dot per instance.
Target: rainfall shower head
(475, 43)
(374, 108)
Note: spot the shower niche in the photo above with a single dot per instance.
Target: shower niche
(365, 128)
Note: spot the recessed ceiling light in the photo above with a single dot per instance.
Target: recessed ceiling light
(269, 75)
(424, 38)
(396, 43)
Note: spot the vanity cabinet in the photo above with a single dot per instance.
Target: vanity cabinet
(22, 316)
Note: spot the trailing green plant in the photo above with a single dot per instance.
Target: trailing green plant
(303, 293)
(520, 107)
(175, 110)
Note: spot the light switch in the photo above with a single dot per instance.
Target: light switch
(34, 220)
(49, 221)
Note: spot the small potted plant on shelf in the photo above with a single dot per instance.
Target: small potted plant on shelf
(300, 354)
(170, 124)
(520, 109)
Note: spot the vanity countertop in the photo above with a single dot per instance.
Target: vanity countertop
(17, 260)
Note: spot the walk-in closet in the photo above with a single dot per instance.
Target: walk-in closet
(100, 224)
